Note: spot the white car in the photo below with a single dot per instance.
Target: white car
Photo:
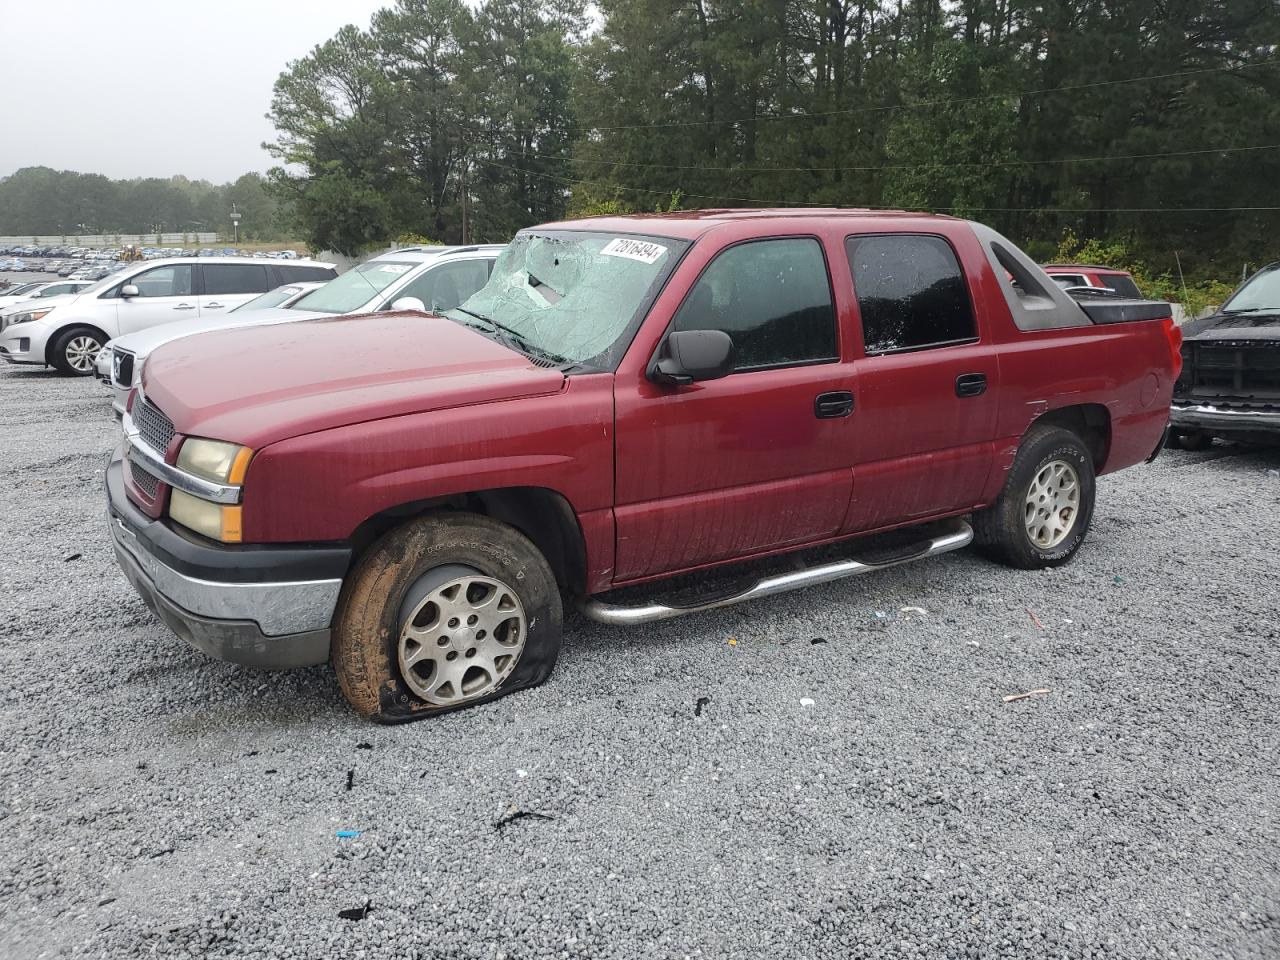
(281, 298)
(423, 278)
(38, 291)
(68, 334)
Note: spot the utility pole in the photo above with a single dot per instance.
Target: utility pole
(235, 224)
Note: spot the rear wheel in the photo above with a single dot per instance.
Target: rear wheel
(1044, 511)
(1194, 440)
(445, 612)
(75, 351)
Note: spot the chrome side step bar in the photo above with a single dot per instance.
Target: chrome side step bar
(617, 615)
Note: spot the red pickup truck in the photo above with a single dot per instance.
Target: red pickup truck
(415, 497)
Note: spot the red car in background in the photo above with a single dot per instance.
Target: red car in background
(1075, 275)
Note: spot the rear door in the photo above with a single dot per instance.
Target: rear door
(165, 294)
(760, 460)
(227, 285)
(927, 382)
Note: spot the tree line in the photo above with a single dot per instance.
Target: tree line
(1147, 124)
(39, 201)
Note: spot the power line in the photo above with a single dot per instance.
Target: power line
(904, 166)
(809, 203)
(852, 111)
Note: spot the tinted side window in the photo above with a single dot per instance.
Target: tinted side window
(1121, 284)
(773, 297)
(911, 292)
(175, 281)
(229, 278)
(446, 286)
(290, 274)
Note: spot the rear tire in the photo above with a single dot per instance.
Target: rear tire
(445, 612)
(76, 350)
(1194, 440)
(1044, 511)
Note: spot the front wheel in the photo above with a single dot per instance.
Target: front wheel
(75, 351)
(445, 612)
(1044, 511)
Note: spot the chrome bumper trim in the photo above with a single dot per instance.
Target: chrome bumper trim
(278, 608)
(146, 456)
(603, 612)
(1193, 415)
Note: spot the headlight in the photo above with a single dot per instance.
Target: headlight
(33, 315)
(211, 519)
(219, 462)
(214, 460)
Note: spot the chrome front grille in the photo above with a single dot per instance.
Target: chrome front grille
(122, 368)
(153, 426)
(144, 481)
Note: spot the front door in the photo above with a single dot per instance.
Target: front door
(165, 294)
(757, 461)
(927, 383)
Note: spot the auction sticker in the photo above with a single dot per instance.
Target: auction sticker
(641, 250)
(396, 268)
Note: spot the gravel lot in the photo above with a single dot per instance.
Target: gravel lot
(691, 800)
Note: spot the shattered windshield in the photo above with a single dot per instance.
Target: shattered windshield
(571, 296)
(1260, 293)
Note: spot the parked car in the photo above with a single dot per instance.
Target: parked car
(444, 276)
(415, 497)
(1071, 275)
(280, 298)
(69, 335)
(19, 292)
(1230, 382)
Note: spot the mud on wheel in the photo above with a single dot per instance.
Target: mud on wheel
(1044, 511)
(445, 612)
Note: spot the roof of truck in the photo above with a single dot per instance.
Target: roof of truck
(688, 224)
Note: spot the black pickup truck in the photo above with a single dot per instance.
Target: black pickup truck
(1230, 382)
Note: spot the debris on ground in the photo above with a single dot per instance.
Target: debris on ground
(1034, 618)
(1118, 580)
(161, 853)
(817, 640)
(920, 610)
(74, 556)
(806, 701)
(357, 913)
(351, 779)
(697, 707)
(515, 813)
(105, 900)
(733, 641)
(364, 745)
(1023, 696)
(347, 834)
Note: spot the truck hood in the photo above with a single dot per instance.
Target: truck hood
(1235, 326)
(141, 344)
(260, 384)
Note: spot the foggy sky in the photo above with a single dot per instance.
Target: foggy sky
(142, 88)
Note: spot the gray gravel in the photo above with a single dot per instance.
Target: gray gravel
(155, 802)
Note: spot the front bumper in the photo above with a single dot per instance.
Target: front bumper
(260, 606)
(24, 343)
(1224, 421)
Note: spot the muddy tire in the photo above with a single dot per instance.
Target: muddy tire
(1044, 511)
(74, 351)
(445, 612)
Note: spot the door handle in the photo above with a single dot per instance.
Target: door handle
(184, 306)
(971, 384)
(214, 306)
(833, 405)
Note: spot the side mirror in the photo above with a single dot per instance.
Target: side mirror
(409, 303)
(128, 290)
(690, 355)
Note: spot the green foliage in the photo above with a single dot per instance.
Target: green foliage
(1195, 296)
(416, 240)
(39, 200)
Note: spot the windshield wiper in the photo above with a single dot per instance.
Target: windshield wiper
(514, 339)
(1253, 310)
